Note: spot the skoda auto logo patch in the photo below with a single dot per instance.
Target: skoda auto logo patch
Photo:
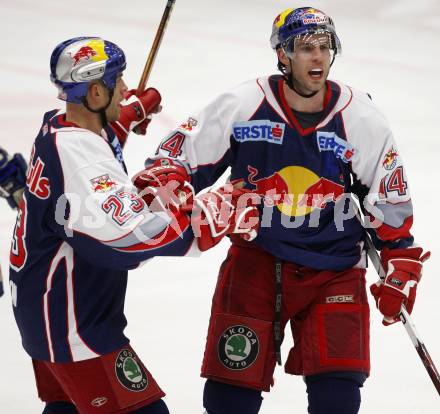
(238, 347)
(129, 372)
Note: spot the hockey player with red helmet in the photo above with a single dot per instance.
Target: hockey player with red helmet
(81, 225)
(308, 145)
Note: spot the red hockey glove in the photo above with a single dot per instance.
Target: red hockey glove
(224, 211)
(170, 180)
(403, 269)
(136, 113)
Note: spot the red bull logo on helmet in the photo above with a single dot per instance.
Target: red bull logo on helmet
(85, 52)
(329, 141)
(259, 130)
(318, 19)
(91, 50)
(281, 18)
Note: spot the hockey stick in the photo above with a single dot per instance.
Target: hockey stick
(406, 320)
(155, 47)
(1, 282)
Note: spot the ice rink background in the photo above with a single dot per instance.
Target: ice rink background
(390, 49)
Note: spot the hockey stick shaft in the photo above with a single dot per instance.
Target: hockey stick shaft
(1, 282)
(155, 47)
(407, 321)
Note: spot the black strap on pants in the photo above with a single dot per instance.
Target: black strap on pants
(278, 303)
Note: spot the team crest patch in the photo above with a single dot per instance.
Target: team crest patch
(259, 130)
(102, 184)
(329, 141)
(390, 160)
(189, 124)
(238, 347)
(129, 372)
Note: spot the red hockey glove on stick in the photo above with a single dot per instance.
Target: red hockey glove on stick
(136, 113)
(171, 181)
(403, 269)
(224, 211)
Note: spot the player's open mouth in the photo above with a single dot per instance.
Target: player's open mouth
(316, 73)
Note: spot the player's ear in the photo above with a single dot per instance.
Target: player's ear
(282, 56)
(95, 93)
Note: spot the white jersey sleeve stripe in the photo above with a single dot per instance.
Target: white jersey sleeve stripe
(79, 349)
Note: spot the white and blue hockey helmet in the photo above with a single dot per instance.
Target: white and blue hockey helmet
(293, 24)
(76, 62)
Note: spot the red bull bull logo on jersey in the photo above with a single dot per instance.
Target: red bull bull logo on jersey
(102, 184)
(329, 141)
(273, 188)
(259, 130)
(189, 124)
(390, 159)
(295, 190)
(320, 193)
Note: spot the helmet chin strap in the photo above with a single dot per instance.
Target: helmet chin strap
(100, 111)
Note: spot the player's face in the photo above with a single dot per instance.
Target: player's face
(114, 109)
(311, 62)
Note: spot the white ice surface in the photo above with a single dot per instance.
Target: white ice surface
(390, 49)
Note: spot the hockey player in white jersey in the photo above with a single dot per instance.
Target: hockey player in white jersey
(307, 144)
(80, 226)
